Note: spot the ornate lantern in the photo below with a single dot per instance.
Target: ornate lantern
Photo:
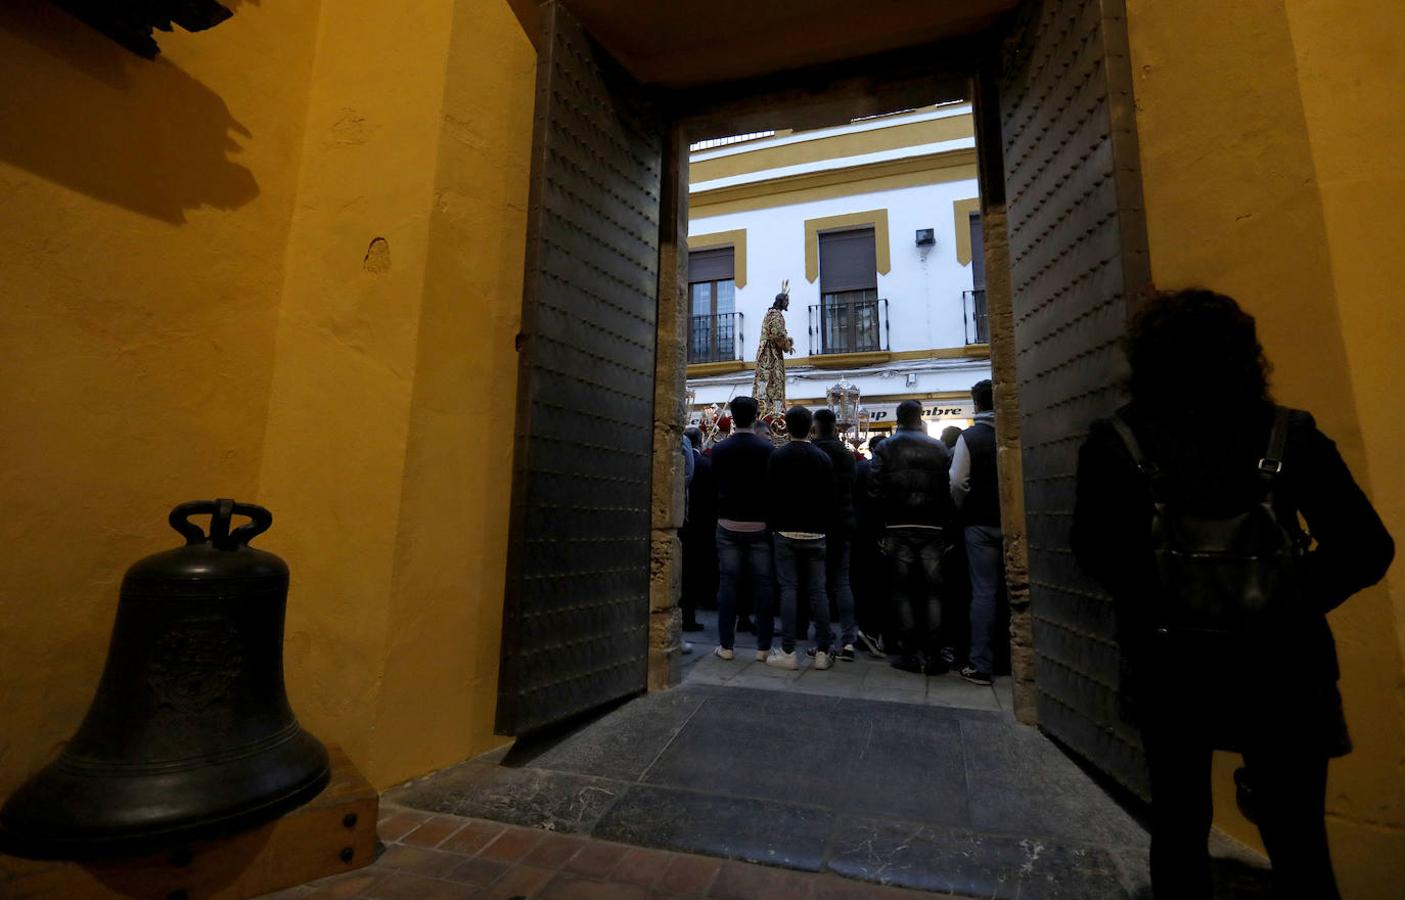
(865, 420)
(844, 401)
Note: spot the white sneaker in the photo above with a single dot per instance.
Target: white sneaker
(823, 660)
(722, 652)
(762, 655)
(779, 659)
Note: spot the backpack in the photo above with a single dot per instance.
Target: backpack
(1228, 586)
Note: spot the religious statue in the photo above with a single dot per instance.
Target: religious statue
(768, 387)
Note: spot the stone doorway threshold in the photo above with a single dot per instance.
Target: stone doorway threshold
(957, 801)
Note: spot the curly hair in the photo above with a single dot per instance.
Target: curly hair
(1193, 347)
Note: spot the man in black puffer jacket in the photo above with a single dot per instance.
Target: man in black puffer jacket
(909, 480)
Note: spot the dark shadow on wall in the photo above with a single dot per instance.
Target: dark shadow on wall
(80, 111)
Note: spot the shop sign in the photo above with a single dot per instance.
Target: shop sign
(887, 413)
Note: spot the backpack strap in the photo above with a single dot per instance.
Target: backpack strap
(1272, 463)
(1144, 464)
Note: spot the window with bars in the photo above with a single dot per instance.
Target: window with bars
(849, 312)
(977, 317)
(713, 328)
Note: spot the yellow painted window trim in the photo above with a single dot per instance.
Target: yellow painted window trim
(734, 239)
(962, 210)
(875, 218)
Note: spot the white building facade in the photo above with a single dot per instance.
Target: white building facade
(875, 225)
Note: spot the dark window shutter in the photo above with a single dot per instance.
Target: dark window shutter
(711, 265)
(977, 253)
(848, 261)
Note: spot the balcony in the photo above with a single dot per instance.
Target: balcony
(859, 326)
(977, 319)
(715, 338)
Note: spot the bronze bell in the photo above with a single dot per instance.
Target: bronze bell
(190, 735)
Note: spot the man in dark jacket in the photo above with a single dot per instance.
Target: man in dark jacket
(909, 480)
(869, 575)
(699, 537)
(976, 492)
(800, 512)
(838, 541)
(743, 543)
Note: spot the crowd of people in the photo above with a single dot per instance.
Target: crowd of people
(902, 547)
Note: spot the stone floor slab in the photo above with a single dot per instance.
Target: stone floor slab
(953, 691)
(621, 744)
(966, 862)
(762, 831)
(828, 684)
(1044, 813)
(730, 749)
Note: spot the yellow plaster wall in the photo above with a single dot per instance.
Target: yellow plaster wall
(144, 207)
(282, 263)
(1267, 149)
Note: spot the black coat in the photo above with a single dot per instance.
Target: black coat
(800, 489)
(739, 473)
(1214, 471)
(844, 473)
(702, 501)
(909, 479)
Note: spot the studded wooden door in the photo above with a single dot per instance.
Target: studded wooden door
(575, 619)
(1077, 258)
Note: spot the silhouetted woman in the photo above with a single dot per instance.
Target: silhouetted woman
(1201, 419)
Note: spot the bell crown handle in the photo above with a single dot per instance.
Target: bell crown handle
(220, 512)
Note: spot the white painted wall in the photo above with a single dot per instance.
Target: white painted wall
(923, 288)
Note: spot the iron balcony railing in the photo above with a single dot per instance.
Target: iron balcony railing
(977, 319)
(715, 338)
(858, 326)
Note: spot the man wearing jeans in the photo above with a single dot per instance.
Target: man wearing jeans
(838, 540)
(909, 482)
(800, 510)
(976, 490)
(743, 543)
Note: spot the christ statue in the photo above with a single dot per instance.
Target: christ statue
(768, 387)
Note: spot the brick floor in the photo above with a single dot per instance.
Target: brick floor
(458, 858)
